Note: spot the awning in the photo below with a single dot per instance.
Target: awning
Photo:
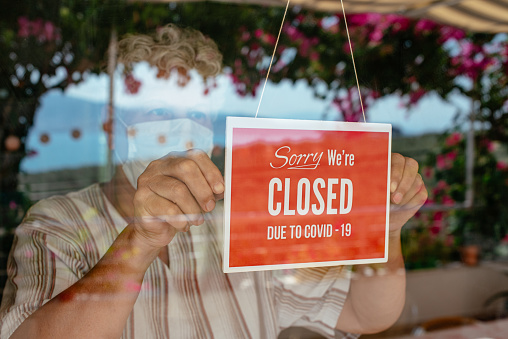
(472, 15)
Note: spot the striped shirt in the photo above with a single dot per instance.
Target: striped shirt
(62, 238)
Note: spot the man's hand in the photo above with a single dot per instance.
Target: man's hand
(375, 302)
(172, 195)
(408, 192)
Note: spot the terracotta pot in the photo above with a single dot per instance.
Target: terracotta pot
(470, 254)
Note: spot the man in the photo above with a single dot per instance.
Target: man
(121, 259)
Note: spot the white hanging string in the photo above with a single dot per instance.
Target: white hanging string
(353, 59)
(271, 61)
(350, 49)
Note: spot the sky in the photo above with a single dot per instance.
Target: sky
(81, 107)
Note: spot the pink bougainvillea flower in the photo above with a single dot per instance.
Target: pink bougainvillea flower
(486, 144)
(255, 46)
(349, 104)
(132, 85)
(469, 48)
(292, 32)
(490, 146)
(376, 36)
(425, 26)
(37, 27)
(415, 96)
(429, 201)
(410, 79)
(300, 18)
(447, 200)
(441, 185)
(436, 228)
(44, 31)
(438, 216)
(258, 33)
(269, 39)
(50, 32)
(437, 223)
(449, 159)
(304, 47)
(314, 56)
(358, 20)
(428, 172)
(245, 36)
(12, 205)
(451, 156)
(346, 48)
(440, 162)
(279, 65)
(398, 23)
(24, 27)
(454, 139)
(502, 166)
(449, 33)
(472, 60)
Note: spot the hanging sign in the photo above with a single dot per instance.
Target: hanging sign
(305, 193)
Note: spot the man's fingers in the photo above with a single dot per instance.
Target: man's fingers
(415, 188)
(188, 172)
(178, 193)
(210, 171)
(397, 170)
(420, 197)
(407, 174)
(408, 192)
(153, 209)
(414, 203)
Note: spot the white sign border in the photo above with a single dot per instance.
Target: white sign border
(267, 123)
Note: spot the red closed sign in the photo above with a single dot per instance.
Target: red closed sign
(305, 193)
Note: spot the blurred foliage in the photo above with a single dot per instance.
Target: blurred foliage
(423, 247)
(485, 223)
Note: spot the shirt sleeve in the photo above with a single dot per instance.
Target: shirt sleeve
(42, 263)
(313, 298)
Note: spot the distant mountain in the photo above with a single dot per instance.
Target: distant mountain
(59, 115)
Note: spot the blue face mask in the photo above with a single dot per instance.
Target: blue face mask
(149, 141)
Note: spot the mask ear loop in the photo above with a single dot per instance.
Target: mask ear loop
(115, 151)
(350, 49)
